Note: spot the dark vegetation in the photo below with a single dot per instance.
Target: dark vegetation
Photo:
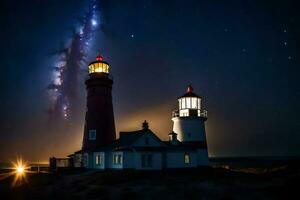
(202, 183)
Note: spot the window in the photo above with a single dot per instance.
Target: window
(98, 160)
(120, 159)
(117, 159)
(92, 134)
(183, 103)
(188, 102)
(184, 113)
(179, 104)
(146, 160)
(186, 158)
(194, 102)
(98, 67)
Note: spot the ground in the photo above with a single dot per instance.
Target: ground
(203, 183)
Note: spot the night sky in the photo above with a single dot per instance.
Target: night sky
(242, 57)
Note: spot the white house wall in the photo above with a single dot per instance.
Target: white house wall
(156, 161)
(176, 160)
(128, 160)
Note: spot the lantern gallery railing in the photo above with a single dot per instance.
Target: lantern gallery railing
(189, 112)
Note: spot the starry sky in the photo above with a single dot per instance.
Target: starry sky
(242, 57)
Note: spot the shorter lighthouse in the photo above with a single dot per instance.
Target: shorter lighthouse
(189, 123)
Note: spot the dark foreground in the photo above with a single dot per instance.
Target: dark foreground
(206, 183)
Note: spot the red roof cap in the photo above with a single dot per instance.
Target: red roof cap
(99, 58)
(189, 89)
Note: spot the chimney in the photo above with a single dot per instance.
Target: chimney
(173, 138)
(145, 125)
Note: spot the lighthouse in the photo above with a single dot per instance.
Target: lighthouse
(99, 128)
(189, 124)
(189, 119)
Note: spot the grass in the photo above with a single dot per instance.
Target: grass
(203, 183)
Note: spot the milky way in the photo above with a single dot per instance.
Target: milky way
(69, 65)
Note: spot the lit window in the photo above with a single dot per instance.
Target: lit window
(98, 160)
(184, 113)
(179, 104)
(92, 134)
(188, 102)
(194, 103)
(183, 103)
(186, 158)
(98, 67)
(117, 159)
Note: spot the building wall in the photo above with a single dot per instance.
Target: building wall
(133, 160)
(87, 160)
(77, 159)
(128, 160)
(156, 161)
(202, 157)
(189, 128)
(62, 162)
(176, 160)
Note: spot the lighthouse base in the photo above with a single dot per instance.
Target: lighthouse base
(189, 129)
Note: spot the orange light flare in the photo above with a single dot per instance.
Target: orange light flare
(19, 170)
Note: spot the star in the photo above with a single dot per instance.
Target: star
(285, 43)
(290, 57)
(243, 50)
(132, 35)
(226, 30)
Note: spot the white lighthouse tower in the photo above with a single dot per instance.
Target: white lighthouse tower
(189, 123)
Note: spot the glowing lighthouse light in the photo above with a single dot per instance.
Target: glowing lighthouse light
(99, 66)
(190, 104)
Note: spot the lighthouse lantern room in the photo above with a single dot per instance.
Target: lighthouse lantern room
(99, 65)
(189, 105)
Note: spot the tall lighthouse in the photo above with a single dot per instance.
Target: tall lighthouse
(99, 126)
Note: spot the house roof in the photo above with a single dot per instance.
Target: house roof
(126, 139)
